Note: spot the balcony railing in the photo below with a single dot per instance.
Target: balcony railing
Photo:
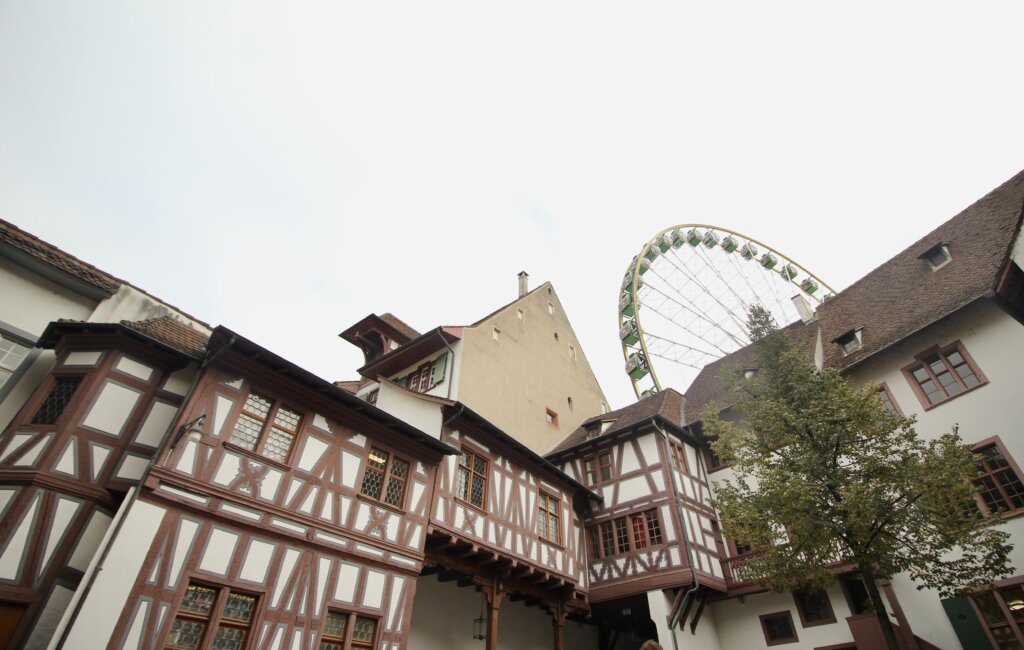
(739, 572)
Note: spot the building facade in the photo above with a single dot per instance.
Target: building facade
(167, 484)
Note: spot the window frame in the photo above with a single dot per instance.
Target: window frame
(545, 500)
(804, 621)
(943, 352)
(782, 641)
(347, 642)
(1011, 466)
(885, 391)
(43, 395)
(474, 454)
(595, 475)
(25, 340)
(606, 534)
(268, 423)
(386, 479)
(851, 341)
(216, 619)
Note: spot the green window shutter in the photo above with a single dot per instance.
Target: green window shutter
(965, 622)
(440, 363)
(401, 381)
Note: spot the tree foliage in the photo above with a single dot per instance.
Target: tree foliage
(823, 471)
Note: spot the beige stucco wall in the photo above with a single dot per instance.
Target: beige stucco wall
(513, 381)
(30, 302)
(739, 622)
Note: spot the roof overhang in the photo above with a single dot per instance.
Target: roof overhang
(413, 351)
(57, 330)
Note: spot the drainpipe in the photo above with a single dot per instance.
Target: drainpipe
(74, 608)
(686, 538)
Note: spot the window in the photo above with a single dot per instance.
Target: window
(814, 607)
(572, 352)
(850, 342)
(599, 468)
(634, 532)
(778, 628)
(431, 373)
(521, 315)
(12, 353)
(496, 334)
(551, 308)
(202, 608)
(472, 484)
(887, 401)
(266, 428)
(1002, 612)
(551, 417)
(548, 517)
(60, 395)
(741, 548)
(678, 457)
(337, 623)
(385, 478)
(943, 373)
(998, 481)
(937, 256)
(749, 373)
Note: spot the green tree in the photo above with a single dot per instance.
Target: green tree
(824, 472)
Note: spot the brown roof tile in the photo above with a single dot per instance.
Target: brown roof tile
(56, 258)
(904, 294)
(668, 404)
(172, 333)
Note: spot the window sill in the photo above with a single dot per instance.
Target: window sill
(928, 406)
(548, 542)
(374, 502)
(249, 453)
(479, 509)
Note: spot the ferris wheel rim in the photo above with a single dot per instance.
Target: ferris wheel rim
(634, 273)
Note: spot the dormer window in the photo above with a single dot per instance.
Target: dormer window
(750, 373)
(937, 256)
(850, 342)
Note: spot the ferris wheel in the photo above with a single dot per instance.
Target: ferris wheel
(685, 297)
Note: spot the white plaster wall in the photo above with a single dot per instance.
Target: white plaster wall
(443, 613)
(704, 636)
(131, 304)
(924, 613)
(30, 302)
(420, 413)
(96, 620)
(740, 623)
(996, 343)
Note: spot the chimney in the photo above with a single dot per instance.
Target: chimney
(804, 308)
(524, 282)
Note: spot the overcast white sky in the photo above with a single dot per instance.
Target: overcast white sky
(286, 168)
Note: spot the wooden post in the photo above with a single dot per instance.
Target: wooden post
(494, 595)
(558, 615)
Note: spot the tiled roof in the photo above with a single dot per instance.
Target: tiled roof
(56, 258)
(668, 404)
(904, 294)
(172, 333)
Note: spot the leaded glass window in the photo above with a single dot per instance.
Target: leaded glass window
(998, 484)
(385, 478)
(266, 429)
(12, 354)
(55, 403)
(472, 480)
(203, 607)
(548, 517)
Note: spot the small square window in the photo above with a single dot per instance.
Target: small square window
(750, 373)
(778, 628)
(850, 342)
(572, 352)
(551, 308)
(496, 334)
(551, 417)
(937, 256)
(521, 315)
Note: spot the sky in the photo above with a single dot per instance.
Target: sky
(284, 169)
